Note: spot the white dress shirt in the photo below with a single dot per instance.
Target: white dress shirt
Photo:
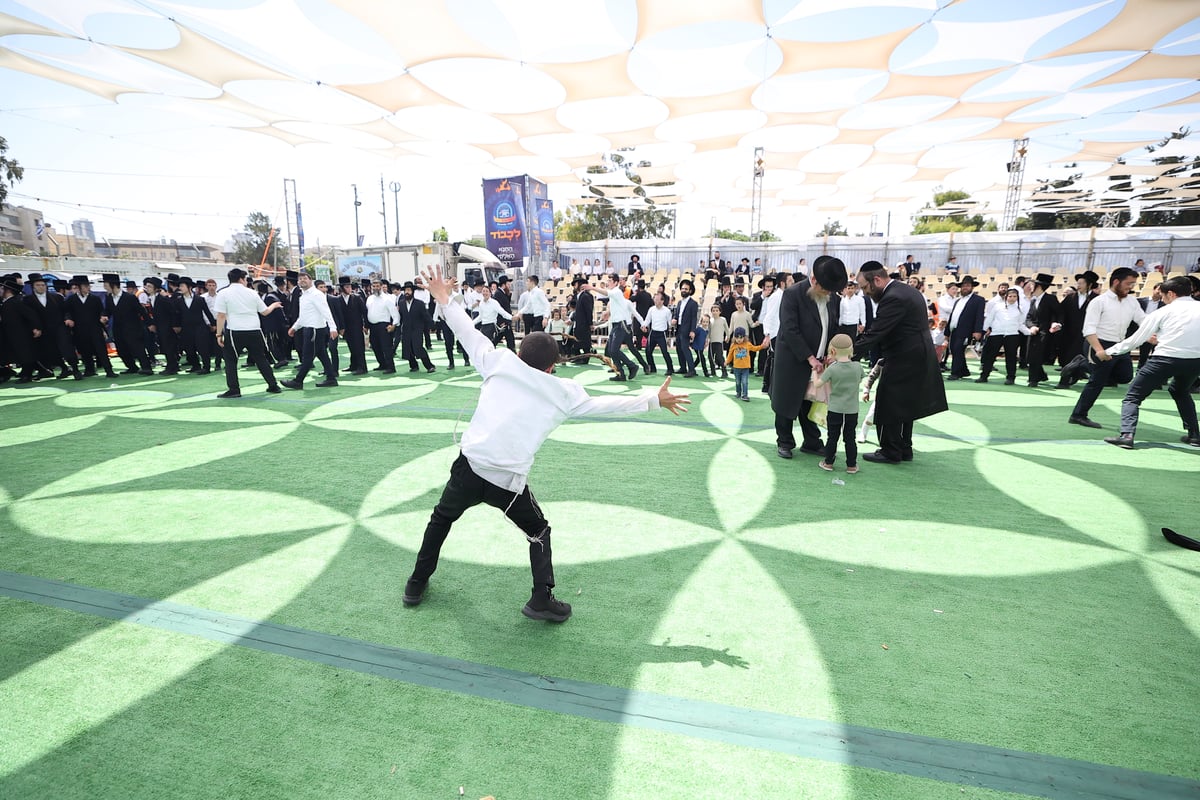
(945, 304)
(520, 406)
(1109, 317)
(382, 308)
(768, 316)
(534, 302)
(241, 306)
(658, 318)
(1177, 326)
(314, 311)
(1005, 320)
(853, 310)
(471, 299)
(489, 310)
(620, 310)
(456, 298)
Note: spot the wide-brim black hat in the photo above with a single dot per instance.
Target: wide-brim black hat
(1089, 276)
(173, 278)
(34, 277)
(61, 285)
(503, 279)
(154, 281)
(110, 277)
(292, 275)
(830, 274)
(409, 285)
(81, 280)
(1044, 280)
(11, 285)
(967, 279)
(766, 278)
(578, 279)
(184, 281)
(689, 283)
(344, 280)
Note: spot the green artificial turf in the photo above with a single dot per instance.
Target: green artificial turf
(1014, 571)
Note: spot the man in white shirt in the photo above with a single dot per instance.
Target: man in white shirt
(382, 319)
(768, 319)
(489, 311)
(238, 311)
(520, 405)
(534, 306)
(1176, 358)
(853, 317)
(658, 321)
(556, 272)
(312, 331)
(1107, 320)
(619, 314)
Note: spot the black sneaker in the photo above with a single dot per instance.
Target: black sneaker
(547, 607)
(1194, 441)
(274, 389)
(229, 395)
(414, 592)
(633, 371)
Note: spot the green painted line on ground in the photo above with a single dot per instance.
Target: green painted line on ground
(962, 763)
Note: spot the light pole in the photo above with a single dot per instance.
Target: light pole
(383, 209)
(357, 236)
(395, 187)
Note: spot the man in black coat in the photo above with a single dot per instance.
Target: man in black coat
(354, 308)
(503, 296)
(167, 324)
(1074, 309)
(126, 315)
(413, 319)
(808, 319)
(21, 331)
(196, 339)
(54, 347)
(911, 385)
(1044, 320)
(585, 304)
(84, 313)
(685, 316)
(964, 326)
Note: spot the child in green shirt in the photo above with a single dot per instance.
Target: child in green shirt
(843, 377)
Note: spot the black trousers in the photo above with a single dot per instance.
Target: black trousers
(658, 339)
(168, 345)
(784, 437)
(198, 346)
(683, 351)
(618, 335)
(991, 348)
(845, 426)
(1040, 353)
(768, 364)
(93, 350)
(532, 323)
(314, 343)
(382, 347)
(895, 439)
(958, 354)
(255, 346)
(464, 490)
(414, 349)
(357, 345)
(450, 341)
(1118, 367)
(131, 347)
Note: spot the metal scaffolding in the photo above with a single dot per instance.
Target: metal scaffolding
(1016, 177)
(756, 196)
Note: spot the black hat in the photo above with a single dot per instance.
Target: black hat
(131, 284)
(409, 285)
(1042, 279)
(183, 281)
(724, 281)
(344, 280)
(172, 278)
(740, 281)
(764, 278)
(279, 280)
(830, 274)
(34, 277)
(154, 281)
(798, 276)
(61, 285)
(11, 285)
(292, 275)
(967, 279)
(578, 279)
(1091, 277)
(503, 279)
(691, 285)
(109, 277)
(641, 284)
(80, 280)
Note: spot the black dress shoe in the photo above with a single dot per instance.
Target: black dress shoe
(145, 372)
(434, 369)
(1085, 422)
(784, 452)
(689, 374)
(954, 377)
(981, 379)
(292, 384)
(229, 394)
(618, 377)
(391, 371)
(414, 369)
(358, 372)
(327, 383)
(812, 450)
(1122, 441)
(129, 372)
(1010, 381)
(274, 390)
(203, 371)
(907, 455)
(89, 373)
(879, 458)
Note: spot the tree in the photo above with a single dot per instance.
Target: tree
(258, 227)
(950, 224)
(588, 223)
(738, 236)
(832, 227)
(440, 235)
(10, 170)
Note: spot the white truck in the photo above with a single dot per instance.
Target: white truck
(403, 262)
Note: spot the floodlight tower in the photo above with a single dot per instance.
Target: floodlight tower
(756, 196)
(1016, 177)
